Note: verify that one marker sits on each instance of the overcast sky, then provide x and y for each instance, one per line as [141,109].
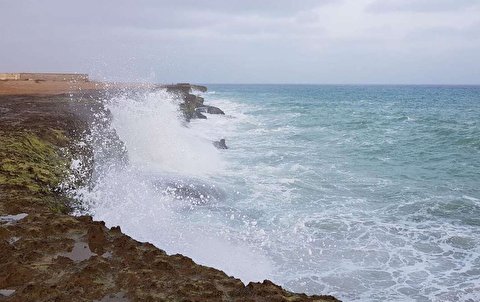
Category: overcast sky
[246,41]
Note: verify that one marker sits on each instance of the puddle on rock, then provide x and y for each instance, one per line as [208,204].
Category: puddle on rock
[11,219]
[12,240]
[6,292]
[107,255]
[80,252]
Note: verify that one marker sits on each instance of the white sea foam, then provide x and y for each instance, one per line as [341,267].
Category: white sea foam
[292,207]
[165,152]
[150,126]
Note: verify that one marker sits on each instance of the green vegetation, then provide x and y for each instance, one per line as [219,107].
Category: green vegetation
[33,166]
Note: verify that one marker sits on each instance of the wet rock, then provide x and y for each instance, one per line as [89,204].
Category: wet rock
[195,100]
[56,257]
[210,110]
[199,88]
[39,139]
[193,105]
[190,105]
[220,144]
[96,238]
[79,252]
[199,115]
[179,89]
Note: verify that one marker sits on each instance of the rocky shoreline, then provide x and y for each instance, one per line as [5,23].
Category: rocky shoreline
[48,255]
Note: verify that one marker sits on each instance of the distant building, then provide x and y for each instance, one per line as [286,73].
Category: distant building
[64,77]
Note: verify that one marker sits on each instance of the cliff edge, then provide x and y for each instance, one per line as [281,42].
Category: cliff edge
[48,255]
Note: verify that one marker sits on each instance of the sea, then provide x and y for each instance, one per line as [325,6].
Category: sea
[364,192]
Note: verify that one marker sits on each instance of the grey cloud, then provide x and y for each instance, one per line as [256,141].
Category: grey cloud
[421,5]
[447,36]
[147,13]
[263,7]
[237,41]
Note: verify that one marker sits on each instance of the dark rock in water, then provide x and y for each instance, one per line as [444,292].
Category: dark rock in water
[210,109]
[193,99]
[190,105]
[199,88]
[202,109]
[186,87]
[190,112]
[214,110]
[193,110]
[199,115]
[181,88]
[220,144]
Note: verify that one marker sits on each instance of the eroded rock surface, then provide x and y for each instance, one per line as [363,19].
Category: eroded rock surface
[46,264]
[193,106]
[48,255]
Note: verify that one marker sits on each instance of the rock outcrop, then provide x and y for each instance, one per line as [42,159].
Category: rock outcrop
[210,109]
[220,144]
[48,255]
[193,105]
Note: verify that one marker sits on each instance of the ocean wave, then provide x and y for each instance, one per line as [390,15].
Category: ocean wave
[330,195]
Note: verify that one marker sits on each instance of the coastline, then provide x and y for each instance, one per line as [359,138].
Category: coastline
[49,254]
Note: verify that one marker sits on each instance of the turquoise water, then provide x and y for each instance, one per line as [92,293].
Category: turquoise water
[368,193]
[364,192]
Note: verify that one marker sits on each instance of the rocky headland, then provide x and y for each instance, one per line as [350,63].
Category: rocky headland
[46,254]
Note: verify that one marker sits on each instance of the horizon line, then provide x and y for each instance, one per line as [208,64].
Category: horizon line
[344,84]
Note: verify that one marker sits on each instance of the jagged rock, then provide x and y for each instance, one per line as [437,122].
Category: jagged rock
[210,109]
[188,86]
[192,105]
[199,115]
[220,144]
[199,88]
[183,89]
[38,136]
[189,106]
[195,100]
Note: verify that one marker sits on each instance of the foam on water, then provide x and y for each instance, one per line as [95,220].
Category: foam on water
[338,215]
[161,195]
[353,191]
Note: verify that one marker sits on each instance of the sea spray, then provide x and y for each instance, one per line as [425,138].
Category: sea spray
[324,189]
[156,137]
[167,191]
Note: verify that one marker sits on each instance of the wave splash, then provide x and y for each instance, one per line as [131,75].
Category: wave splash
[166,191]
[156,138]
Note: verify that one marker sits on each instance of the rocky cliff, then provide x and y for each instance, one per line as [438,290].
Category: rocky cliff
[48,255]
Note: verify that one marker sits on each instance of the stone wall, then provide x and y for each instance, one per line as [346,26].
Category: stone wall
[9,76]
[79,77]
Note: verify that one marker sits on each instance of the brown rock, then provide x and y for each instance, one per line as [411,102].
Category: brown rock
[96,238]
[39,265]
